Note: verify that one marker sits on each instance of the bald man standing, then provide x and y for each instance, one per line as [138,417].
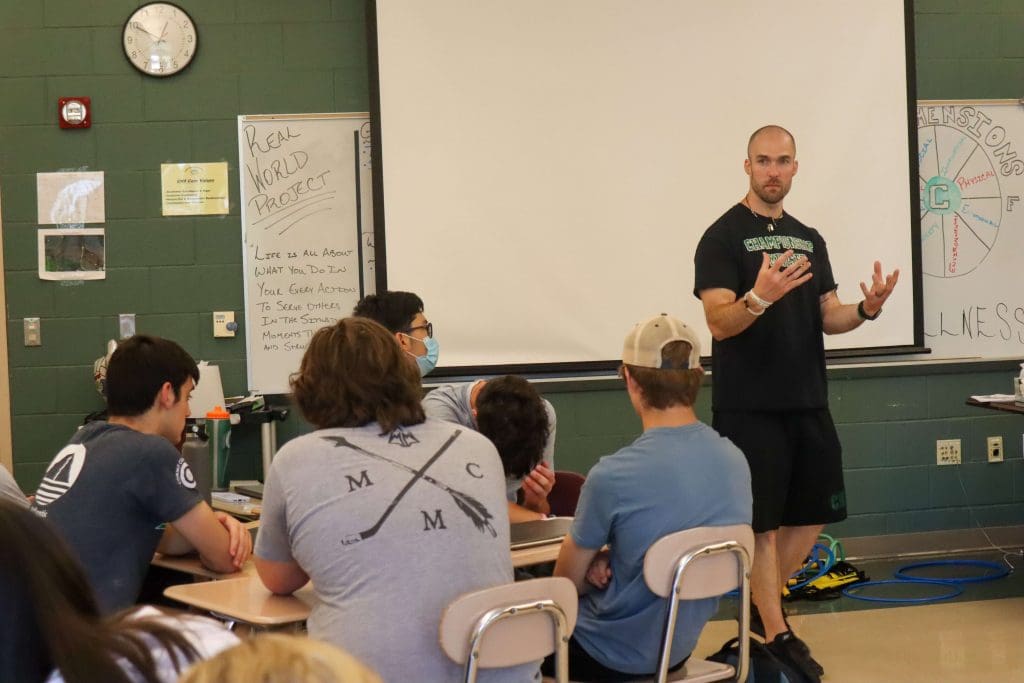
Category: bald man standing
[766,284]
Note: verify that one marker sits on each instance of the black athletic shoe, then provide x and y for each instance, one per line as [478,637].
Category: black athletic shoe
[757,625]
[795,652]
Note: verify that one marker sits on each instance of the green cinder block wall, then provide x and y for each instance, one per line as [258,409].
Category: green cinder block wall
[263,56]
[254,57]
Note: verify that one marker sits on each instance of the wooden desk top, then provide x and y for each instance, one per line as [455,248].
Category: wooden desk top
[190,564]
[246,599]
[526,557]
[1005,406]
[241,596]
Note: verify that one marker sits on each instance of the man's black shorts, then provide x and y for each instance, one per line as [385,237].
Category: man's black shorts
[796,466]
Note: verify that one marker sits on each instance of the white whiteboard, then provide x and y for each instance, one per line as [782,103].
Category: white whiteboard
[972,227]
[306,220]
[548,167]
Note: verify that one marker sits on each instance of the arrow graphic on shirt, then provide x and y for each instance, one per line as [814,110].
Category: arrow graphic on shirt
[469,505]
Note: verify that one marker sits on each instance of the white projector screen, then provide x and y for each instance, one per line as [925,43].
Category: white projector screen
[546,167]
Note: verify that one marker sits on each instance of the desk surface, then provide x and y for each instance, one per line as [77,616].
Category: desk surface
[190,564]
[246,599]
[1005,406]
[241,596]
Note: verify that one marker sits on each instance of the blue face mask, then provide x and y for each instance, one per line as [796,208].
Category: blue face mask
[427,362]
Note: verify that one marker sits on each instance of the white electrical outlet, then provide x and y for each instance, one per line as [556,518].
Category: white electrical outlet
[995,449]
[947,452]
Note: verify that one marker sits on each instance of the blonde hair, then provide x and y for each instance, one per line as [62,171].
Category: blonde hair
[274,658]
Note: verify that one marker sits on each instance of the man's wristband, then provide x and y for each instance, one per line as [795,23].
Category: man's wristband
[763,303]
[750,310]
[864,315]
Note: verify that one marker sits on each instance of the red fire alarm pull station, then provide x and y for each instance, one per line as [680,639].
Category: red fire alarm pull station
[74,112]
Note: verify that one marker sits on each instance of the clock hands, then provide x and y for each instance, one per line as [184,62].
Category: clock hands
[157,39]
[139,27]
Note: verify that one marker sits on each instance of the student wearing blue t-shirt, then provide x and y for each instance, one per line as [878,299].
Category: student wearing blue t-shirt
[679,474]
[120,490]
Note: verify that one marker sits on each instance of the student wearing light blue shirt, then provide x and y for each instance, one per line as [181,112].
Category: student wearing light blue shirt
[679,474]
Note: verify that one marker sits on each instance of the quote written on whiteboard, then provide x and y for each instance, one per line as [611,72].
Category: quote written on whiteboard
[972,227]
[304,273]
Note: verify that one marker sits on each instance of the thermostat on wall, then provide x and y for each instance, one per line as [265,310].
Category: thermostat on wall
[224,324]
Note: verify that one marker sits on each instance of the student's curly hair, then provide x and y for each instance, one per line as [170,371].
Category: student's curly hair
[354,373]
[511,413]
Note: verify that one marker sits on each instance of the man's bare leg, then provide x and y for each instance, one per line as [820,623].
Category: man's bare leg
[764,584]
[793,545]
[777,554]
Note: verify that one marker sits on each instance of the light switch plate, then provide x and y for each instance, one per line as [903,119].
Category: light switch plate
[33,335]
[224,324]
[126,325]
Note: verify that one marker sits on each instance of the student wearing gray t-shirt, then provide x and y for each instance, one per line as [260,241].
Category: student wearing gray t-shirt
[391,516]
[521,425]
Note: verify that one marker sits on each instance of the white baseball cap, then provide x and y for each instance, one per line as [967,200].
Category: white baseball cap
[644,343]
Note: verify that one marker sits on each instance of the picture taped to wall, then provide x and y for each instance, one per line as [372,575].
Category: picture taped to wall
[72,254]
[70,198]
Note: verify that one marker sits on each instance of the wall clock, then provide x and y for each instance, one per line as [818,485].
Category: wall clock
[160,39]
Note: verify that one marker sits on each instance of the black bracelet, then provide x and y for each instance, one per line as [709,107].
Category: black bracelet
[864,315]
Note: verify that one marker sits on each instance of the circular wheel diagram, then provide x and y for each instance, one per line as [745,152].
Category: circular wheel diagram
[961,203]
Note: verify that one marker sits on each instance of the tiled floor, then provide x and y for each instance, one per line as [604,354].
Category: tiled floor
[976,638]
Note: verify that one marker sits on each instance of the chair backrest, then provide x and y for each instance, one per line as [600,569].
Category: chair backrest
[514,623]
[565,493]
[707,576]
[701,563]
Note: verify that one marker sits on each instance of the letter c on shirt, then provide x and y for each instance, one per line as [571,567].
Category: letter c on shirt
[473,469]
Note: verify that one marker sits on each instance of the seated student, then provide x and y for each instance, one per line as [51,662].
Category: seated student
[52,629]
[521,424]
[9,489]
[277,658]
[391,515]
[402,314]
[677,475]
[120,490]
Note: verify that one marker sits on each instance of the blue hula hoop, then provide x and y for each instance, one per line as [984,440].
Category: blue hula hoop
[999,571]
[954,591]
[825,565]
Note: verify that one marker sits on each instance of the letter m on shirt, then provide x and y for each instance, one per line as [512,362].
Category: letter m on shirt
[363,480]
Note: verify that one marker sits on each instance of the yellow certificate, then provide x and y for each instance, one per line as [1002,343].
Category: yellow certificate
[194,189]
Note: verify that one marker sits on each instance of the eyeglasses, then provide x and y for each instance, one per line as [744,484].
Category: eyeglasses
[429,327]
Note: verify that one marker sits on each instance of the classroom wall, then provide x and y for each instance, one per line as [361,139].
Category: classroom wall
[254,57]
[263,56]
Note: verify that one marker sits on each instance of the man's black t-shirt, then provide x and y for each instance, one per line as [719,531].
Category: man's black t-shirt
[778,363]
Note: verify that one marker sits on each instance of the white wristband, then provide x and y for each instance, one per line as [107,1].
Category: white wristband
[751,311]
[763,303]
